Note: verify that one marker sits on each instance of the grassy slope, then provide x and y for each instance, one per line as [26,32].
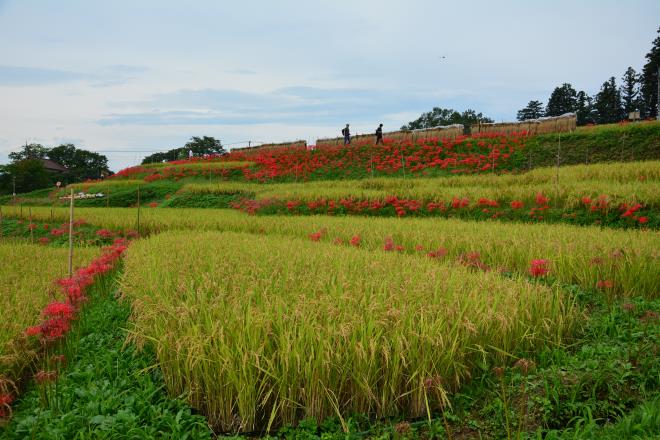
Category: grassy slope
[609,143]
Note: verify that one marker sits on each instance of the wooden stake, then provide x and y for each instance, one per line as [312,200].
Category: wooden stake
[71,235]
[138,210]
[30,225]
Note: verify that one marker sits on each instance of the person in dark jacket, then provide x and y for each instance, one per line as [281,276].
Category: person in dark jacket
[379,134]
[347,135]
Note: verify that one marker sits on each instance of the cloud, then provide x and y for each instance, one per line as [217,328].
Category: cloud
[27,76]
[290,105]
[41,76]
[241,72]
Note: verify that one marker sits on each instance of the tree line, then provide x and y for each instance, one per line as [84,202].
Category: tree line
[26,171]
[637,92]
[612,103]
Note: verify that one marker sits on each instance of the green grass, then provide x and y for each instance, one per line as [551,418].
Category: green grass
[608,143]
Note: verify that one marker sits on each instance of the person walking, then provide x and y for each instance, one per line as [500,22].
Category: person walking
[379,134]
[347,135]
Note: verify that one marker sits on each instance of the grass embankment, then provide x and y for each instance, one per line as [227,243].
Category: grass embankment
[596,144]
[103,388]
[577,255]
[240,324]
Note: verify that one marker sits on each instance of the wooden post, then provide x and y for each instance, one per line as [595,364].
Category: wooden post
[557,170]
[71,235]
[30,224]
[138,210]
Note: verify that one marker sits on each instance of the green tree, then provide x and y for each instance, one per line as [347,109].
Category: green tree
[630,90]
[29,151]
[198,146]
[608,103]
[649,81]
[204,145]
[82,164]
[562,100]
[446,116]
[28,174]
[584,109]
[534,110]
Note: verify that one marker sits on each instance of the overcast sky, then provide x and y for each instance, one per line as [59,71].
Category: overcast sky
[140,75]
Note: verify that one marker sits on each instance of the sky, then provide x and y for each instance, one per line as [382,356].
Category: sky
[126,78]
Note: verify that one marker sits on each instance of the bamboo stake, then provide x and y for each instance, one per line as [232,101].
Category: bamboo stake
[138,210]
[30,226]
[71,235]
[557,170]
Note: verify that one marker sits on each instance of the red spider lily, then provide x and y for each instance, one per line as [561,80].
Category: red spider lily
[487,202]
[355,241]
[459,203]
[315,236]
[105,233]
[439,253]
[586,201]
[5,404]
[399,248]
[58,359]
[541,200]
[58,310]
[46,226]
[419,248]
[389,244]
[539,268]
[605,284]
[32,226]
[43,377]
[33,331]
[43,241]
[153,204]
[643,219]
[517,204]
[473,260]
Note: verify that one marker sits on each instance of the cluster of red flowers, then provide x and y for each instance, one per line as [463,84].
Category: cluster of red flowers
[539,268]
[5,404]
[59,315]
[630,212]
[478,153]
[460,155]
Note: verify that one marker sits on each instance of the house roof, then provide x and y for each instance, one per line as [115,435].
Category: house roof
[51,165]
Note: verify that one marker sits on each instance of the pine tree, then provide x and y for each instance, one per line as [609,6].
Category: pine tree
[649,81]
[584,109]
[534,110]
[562,100]
[608,103]
[630,90]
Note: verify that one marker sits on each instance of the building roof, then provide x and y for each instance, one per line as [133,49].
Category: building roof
[51,165]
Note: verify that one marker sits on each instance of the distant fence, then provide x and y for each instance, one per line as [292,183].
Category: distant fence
[554,124]
[448,131]
[299,143]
